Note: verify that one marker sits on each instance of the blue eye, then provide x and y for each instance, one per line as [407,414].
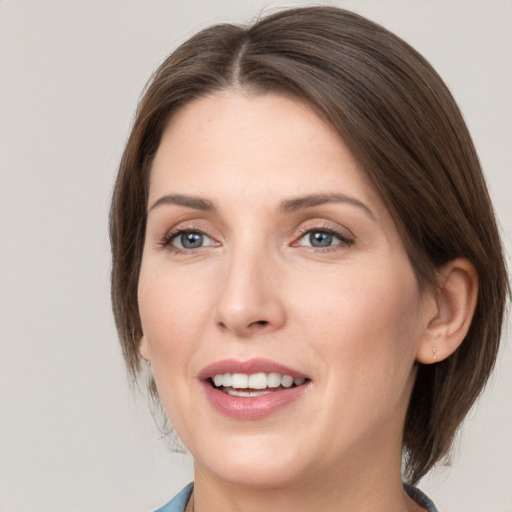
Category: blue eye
[320,239]
[190,240]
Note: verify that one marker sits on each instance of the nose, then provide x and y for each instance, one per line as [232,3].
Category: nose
[249,301]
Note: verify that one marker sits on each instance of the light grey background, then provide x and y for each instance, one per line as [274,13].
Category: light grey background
[73,437]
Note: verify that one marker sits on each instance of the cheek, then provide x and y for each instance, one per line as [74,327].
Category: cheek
[169,300]
[173,310]
[368,322]
[365,337]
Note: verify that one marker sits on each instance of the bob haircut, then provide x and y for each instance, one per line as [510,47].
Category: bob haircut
[403,126]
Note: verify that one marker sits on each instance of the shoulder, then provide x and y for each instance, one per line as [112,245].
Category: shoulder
[179,502]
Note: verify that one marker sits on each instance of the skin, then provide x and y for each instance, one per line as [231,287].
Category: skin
[349,316]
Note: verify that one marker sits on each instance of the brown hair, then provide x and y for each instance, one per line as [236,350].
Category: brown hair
[404,127]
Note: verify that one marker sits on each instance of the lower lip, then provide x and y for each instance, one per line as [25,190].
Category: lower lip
[254,407]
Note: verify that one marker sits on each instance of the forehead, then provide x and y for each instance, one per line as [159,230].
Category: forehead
[254,146]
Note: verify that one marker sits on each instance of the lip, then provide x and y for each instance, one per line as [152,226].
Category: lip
[250,408]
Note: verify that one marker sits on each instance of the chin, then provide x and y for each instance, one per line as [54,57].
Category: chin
[254,463]
[256,475]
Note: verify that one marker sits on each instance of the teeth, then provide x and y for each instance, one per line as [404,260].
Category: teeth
[273,380]
[240,380]
[254,381]
[286,381]
[237,392]
[258,381]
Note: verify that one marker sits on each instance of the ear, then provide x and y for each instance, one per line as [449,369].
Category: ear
[144,349]
[455,298]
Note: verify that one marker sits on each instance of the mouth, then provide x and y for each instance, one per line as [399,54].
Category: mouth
[253,389]
[254,384]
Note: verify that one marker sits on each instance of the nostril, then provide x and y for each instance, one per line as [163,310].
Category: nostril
[260,322]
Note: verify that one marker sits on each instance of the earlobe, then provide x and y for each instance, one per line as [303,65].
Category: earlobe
[144,349]
[455,298]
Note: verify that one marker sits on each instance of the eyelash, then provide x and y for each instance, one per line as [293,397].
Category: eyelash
[167,240]
[345,240]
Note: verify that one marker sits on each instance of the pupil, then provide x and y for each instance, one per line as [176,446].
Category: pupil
[320,239]
[191,240]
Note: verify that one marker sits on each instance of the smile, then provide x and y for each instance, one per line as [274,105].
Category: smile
[252,389]
[254,384]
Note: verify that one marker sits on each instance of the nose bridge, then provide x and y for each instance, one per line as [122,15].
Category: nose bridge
[248,300]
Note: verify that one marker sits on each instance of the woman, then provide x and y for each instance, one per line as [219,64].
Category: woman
[305,253]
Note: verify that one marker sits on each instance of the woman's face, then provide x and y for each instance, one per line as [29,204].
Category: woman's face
[269,259]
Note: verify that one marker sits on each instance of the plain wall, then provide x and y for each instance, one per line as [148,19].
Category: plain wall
[73,436]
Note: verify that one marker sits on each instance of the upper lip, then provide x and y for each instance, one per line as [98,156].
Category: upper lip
[248,366]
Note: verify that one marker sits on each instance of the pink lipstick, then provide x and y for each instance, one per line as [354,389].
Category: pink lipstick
[251,389]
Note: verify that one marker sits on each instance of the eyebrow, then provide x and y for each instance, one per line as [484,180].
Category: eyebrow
[196,203]
[300,203]
[287,206]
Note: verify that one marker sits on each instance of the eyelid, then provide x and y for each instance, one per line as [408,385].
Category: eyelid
[172,234]
[174,239]
[346,237]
